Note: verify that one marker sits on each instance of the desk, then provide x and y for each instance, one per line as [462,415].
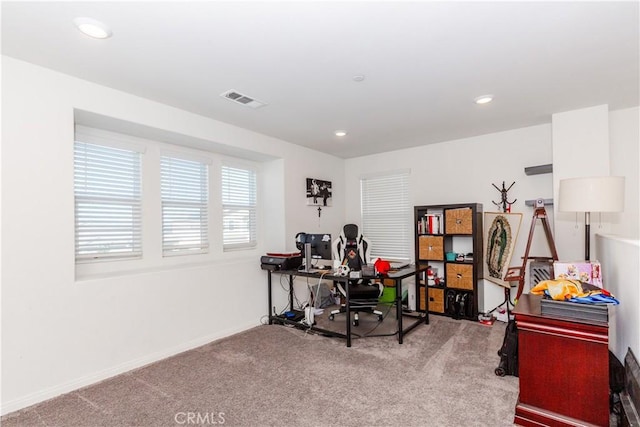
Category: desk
[563,367]
[397,277]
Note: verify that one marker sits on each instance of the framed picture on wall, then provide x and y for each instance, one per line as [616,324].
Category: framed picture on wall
[318,192]
[500,234]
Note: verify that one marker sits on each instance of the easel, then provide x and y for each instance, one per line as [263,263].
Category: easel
[517,274]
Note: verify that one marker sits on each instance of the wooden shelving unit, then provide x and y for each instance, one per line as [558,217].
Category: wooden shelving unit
[450,229]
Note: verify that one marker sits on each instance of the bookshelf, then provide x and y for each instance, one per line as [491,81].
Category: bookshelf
[449,240]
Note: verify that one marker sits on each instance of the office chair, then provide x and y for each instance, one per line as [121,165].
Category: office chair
[352,249]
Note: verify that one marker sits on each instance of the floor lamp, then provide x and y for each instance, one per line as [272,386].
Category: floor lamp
[593,194]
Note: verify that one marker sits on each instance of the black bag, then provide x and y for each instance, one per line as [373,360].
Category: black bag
[509,352]
[617,375]
[617,381]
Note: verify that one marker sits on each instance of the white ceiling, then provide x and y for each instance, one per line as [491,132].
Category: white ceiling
[423,62]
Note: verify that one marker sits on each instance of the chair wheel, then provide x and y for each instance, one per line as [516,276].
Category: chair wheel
[331,317]
[355,323]
[380,318]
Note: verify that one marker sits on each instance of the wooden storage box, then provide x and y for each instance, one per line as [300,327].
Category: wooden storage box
[459,276]
[436,299]
[431,247]
[458,221]
[388,282]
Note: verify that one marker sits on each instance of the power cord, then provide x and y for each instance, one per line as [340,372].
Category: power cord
[296,301]
[264,320]
[384,316]
[311,306]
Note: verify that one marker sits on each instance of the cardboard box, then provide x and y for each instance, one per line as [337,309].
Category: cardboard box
[585,271]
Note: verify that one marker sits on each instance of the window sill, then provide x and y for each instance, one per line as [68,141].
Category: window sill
[224,262]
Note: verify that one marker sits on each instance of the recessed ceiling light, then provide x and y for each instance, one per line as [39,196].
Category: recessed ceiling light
[358,77]
[93,28]
[484,99]
[341,133]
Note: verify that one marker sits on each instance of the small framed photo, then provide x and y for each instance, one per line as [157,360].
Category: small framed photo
[318,192]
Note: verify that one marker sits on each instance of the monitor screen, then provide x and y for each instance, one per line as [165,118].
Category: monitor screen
[320,245]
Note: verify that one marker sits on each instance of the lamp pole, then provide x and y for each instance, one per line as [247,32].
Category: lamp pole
[587,234]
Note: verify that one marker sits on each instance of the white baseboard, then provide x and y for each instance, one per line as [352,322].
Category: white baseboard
[75,384]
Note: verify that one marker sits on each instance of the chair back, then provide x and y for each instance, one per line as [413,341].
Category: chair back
[351,248]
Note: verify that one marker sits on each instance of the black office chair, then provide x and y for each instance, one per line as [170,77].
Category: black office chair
[352,249]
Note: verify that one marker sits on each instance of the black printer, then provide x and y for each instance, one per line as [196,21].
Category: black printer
[273,261]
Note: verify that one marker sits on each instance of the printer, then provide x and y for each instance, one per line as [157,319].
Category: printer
[275,261]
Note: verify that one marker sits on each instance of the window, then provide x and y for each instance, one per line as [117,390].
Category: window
[386,215]
[185,196]
[238,207]
[186,190]
[107,202]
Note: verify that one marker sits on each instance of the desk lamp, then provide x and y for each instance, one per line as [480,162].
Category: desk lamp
[592,194]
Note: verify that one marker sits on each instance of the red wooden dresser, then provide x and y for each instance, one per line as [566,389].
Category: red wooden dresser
[563,368]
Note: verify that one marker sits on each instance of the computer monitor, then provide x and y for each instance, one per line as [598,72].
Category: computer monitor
[320,245]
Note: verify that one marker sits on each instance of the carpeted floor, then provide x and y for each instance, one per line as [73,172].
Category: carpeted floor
[443,375]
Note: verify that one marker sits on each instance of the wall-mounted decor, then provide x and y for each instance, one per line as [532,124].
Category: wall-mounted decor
[500,234]
[318,192]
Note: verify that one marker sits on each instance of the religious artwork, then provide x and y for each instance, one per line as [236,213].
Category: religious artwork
[318,192]
[500,234]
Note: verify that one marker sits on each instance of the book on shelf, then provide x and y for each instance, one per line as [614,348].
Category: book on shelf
[433,223]
[430,223]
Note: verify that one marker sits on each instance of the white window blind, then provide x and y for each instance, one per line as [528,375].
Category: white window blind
[185,197]
[238,207]
[386,215]
[107,202]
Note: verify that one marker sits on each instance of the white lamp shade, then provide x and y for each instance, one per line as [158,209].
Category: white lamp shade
[593,194]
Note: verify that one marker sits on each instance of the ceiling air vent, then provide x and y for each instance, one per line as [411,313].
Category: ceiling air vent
[242,99]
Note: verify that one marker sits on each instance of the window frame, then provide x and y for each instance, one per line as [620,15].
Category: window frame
[252,241]
[185,204]
[112,152]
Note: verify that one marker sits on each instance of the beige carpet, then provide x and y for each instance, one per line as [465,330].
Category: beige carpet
[443,375]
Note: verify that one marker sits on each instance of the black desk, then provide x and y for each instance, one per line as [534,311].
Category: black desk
[397,277]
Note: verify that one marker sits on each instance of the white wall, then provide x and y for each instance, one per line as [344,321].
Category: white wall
[593,142]
[624,142]
[58,333]
[462,171]
[621,275]
[619,252]
[580,149]
[596,142]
